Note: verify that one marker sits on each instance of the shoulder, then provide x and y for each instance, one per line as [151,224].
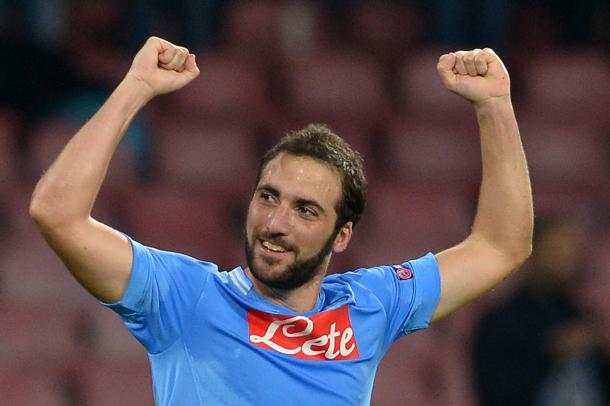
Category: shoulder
[367,286]
[424,267]
[158,258]
[153,266]
[412,282]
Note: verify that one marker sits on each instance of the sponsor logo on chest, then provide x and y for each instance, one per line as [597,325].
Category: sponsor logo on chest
[325,336]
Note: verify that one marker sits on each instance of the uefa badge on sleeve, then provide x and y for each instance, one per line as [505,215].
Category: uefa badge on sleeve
[403,273]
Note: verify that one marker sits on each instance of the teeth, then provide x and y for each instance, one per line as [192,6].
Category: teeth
[273,247]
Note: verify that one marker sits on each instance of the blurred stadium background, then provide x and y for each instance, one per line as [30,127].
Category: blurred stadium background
[181,178]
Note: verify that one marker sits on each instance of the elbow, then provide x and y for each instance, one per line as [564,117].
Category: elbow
[512,252]
[527,245]
[47,218]
[524,254]
[520,254]
[54,207]
[47,209]
[36,208]
[39,210]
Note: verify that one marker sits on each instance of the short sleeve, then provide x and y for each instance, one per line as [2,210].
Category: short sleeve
[409,293]
[163,290]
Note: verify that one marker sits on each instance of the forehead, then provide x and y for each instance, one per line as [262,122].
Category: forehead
[303,177]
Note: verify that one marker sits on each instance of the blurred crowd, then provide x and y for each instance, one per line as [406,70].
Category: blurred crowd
[182,175]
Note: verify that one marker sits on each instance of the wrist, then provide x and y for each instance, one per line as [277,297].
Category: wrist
[137,90]
[493,105]
[497,111]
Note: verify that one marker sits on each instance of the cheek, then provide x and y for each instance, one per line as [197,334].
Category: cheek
[251,220]
[312,240]
[256,220]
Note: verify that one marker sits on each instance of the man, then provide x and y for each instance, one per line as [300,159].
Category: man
[278,331]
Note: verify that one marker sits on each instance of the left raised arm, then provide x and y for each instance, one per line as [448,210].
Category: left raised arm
[501,237]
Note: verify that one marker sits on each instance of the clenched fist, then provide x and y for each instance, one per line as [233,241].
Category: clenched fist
[162,67]
[478,75]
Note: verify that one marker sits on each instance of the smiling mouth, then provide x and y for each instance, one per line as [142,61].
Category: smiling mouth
[272,247]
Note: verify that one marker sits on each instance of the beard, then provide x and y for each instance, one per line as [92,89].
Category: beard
[295,275]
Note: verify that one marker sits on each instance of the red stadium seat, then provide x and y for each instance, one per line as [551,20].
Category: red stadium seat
[206,158]
[27,386]
[50,137]
[591,294]
[446,156]
[111,382]
[426,368]
[568,87]
[570,200]
[561,157]
[111,339]
[205,226]
[270,31]
[37,335]
[387,30]
[332,85]
[422,94]
[31,272]
[403,222]
[229,90]
[253,28]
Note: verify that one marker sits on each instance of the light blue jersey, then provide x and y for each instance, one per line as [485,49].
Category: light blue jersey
[212,340]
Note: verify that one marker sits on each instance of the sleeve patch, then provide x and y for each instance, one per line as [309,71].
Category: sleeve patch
[403,273]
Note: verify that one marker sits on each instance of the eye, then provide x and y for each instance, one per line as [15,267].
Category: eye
[307,211]
[266,196]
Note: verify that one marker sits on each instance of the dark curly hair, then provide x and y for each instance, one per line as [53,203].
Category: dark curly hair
[317,141]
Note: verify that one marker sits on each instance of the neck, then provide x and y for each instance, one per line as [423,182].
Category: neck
[300,300]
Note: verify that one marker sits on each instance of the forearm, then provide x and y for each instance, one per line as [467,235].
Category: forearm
[504,215]
[67,191]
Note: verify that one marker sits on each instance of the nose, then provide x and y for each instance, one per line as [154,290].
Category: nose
[279,220]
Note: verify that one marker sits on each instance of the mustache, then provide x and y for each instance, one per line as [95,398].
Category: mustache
[276,239]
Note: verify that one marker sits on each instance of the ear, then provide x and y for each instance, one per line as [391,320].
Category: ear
[343,237]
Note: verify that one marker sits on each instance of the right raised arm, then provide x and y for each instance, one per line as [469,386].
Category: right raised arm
[99,257]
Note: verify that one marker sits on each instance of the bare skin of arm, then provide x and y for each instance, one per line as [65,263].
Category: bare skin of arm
[99,257]
[501,236]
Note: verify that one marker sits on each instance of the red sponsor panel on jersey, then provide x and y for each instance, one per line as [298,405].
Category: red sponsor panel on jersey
[326,336]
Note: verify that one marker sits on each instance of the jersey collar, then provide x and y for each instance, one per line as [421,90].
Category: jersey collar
[331,295]
[240,281]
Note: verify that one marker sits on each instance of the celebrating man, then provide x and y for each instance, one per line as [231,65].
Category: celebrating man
[280,330]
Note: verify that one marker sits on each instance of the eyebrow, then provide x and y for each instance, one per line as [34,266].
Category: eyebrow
[300,201]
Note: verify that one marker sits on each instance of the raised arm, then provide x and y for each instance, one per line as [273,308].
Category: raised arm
[501,236]
[99,257]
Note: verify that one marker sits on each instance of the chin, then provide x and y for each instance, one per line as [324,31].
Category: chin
[286,273]
[267,273]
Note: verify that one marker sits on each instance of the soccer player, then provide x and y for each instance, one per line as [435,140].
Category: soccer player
[279,331]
